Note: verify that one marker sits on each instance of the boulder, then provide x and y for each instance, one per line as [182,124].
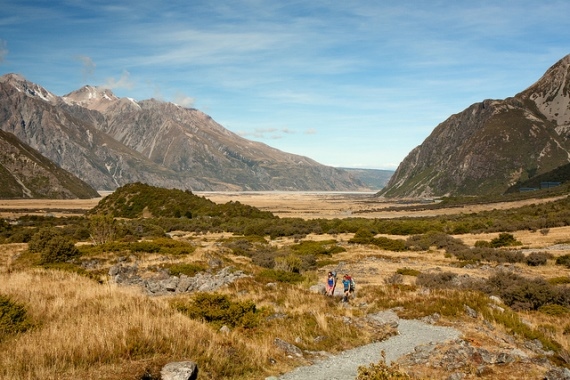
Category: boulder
[186,370]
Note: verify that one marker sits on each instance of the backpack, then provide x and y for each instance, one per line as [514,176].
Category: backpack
[352,285]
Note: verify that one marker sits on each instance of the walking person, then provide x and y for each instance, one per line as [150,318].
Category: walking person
[348,285]
[331,284]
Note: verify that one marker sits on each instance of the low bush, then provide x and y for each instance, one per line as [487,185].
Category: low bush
[408,271]
[537,258]
[478,254]
[504,240]
[521,293]
[188,269]
[324,247]
[272,275]
[219,310]
[53,246]
[13,318]
[559,280]
[563,260]
[555,310]
[435,280]
[381,371]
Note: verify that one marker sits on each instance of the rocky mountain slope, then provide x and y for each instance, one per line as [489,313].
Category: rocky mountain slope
[25,173]
[109,141]
[492,145]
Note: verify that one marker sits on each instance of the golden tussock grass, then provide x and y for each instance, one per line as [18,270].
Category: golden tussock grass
[81,326]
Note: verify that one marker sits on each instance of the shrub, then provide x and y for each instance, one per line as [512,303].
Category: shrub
[52,246]
[289,263]
[188,269]
[408,272]
[381,371]
[559,280]
[435,280]
[555,310]
[271,275]
[13,318]
[324,247]
[58,250]
[537,258]
[504,240]
[438,240]
[563,260]
[521,293]
[219,310]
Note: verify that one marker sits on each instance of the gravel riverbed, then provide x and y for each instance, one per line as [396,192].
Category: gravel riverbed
[412,333]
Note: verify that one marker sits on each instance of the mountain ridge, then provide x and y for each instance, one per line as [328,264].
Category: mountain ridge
[109,141]
[492,145]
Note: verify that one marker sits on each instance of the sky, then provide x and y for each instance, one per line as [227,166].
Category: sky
[352,83]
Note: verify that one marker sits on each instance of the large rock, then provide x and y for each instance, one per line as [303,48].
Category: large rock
[186,370]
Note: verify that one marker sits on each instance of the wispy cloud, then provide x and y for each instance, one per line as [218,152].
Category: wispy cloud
[183,100]
[266,133]
[88,66]
[124,82]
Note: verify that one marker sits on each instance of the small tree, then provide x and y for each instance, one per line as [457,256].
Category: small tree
[102,228]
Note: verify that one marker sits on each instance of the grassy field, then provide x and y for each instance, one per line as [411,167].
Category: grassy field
[88,327]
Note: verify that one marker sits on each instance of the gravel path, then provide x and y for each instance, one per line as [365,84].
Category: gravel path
[412,333]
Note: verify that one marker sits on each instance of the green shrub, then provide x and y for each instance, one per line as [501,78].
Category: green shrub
[58,250]
[52,246]
[563,260]
[188,269]
[272,275]
[504,240]
[435,239]
[219,310]
[555,310]
[13,318]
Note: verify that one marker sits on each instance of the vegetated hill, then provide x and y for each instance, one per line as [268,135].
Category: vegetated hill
[25,173]
[560,174]
[374,179]
[109,141]
[137,200]
[492,145]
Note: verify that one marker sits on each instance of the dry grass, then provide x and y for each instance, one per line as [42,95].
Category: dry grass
[85,330]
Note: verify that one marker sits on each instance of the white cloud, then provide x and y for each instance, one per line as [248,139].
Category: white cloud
[123,82]
[183,100]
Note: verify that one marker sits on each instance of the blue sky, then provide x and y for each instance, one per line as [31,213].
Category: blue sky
[351,84]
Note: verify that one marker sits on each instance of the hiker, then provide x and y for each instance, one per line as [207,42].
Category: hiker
[331,284]
[348,284]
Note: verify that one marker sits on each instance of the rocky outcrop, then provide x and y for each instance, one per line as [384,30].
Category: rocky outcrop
[123,274]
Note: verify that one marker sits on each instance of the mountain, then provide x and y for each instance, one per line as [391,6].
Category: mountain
[25,173]
[492,145]
[109,141]
[374,179]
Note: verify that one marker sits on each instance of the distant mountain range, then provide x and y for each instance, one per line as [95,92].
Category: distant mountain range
[108,141]
[493,145]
